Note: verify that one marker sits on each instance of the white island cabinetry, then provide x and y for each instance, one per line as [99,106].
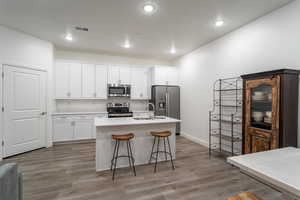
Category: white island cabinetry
[141,143]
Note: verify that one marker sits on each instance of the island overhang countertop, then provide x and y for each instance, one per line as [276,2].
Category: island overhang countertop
[101,122]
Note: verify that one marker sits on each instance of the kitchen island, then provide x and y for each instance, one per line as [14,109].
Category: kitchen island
[141,143]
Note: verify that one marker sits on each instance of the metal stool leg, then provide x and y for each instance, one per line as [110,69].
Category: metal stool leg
[165,148]
[156,155]
[113,158]
[116,158]
[170,153]
[150,159]
[128,153]
[132,160]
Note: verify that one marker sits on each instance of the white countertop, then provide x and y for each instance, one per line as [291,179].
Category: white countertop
[131,121]
[278,167]
[77,113]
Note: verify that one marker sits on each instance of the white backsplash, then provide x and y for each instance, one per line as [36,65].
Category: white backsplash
[96,105]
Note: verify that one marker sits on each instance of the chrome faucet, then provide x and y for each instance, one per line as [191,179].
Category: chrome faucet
[148,108]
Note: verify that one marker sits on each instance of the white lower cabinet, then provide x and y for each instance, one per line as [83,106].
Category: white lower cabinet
[74,128]
[83,129]
[62,129]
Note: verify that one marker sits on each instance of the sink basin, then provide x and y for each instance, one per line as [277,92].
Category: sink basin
[143,118]
[159,117]
[149,118]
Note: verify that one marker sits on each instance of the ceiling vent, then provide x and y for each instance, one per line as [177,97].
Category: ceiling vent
[79,28]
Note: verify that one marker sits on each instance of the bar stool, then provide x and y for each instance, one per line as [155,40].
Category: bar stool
[122,138]
[161,135]
[244,196]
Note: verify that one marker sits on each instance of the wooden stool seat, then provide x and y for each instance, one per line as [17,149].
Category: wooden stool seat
[161,134]
[128,136]
[244,196]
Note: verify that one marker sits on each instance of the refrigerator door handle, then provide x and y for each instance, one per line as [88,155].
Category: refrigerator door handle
[167,104]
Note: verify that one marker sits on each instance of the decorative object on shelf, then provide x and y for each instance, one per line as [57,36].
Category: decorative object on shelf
[270,117]
[225,119]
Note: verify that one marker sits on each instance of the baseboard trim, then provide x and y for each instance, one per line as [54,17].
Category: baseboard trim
[194,139]
[75,142]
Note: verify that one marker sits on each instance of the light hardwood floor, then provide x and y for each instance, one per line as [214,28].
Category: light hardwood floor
[67,172]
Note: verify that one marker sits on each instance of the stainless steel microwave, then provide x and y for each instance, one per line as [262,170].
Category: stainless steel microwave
[118,90]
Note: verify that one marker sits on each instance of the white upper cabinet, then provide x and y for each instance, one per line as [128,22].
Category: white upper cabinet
[119,75]
[101,81]
[88,80]
[75,80]
[62,80]
[140,86]
[160,75]
[68,80]
[114,75]
[164,75]
[80,81]
[173,76]
[125,75]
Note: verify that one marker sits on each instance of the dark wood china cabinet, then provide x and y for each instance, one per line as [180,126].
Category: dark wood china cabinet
[270,110]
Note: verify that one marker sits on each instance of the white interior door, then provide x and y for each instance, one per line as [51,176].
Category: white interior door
[24,110]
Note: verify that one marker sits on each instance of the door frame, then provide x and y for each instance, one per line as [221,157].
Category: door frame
[48,124]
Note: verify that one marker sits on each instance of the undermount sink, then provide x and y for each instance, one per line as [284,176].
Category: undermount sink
[149,118]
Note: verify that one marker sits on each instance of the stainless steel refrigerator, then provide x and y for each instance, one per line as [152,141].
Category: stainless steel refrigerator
[167,102]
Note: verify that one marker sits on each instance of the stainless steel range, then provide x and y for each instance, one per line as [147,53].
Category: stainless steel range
[118,110]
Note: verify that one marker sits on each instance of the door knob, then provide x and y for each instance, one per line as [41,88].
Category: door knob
[43,113]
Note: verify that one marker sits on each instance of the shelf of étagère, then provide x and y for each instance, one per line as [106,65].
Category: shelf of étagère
[228,138]
[230,106]
[226,121]
[217,130]
[225,153]
[231,89]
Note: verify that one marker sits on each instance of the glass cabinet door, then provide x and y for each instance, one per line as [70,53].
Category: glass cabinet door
[261,107]
[261,114]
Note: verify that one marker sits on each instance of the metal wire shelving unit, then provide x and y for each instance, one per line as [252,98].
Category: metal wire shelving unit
[225,119]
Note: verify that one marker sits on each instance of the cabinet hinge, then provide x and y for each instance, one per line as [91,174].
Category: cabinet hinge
[2,109]
[2,75]
[2,143]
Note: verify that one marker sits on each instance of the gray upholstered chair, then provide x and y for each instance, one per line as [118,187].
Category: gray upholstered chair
[11,187]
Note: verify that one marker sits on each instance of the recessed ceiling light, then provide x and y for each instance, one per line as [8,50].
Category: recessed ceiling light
[173,50]
[127,45]
[150,8]
[219,23]
[69,37]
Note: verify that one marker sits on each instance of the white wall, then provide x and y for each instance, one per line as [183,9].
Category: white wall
[271,42]
[105,58]
[19,49]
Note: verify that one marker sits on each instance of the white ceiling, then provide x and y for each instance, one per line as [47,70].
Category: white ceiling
[186,24]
